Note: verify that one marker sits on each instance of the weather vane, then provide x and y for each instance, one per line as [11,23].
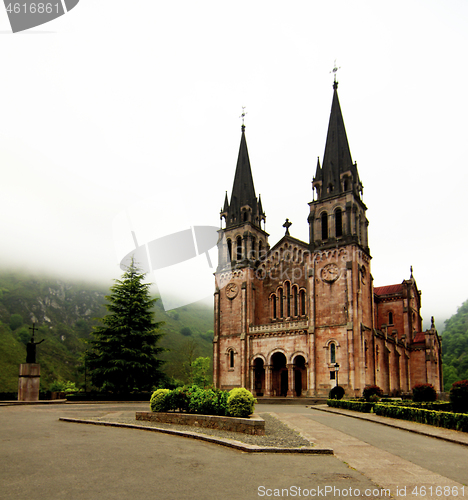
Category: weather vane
[334,71]
[243,117]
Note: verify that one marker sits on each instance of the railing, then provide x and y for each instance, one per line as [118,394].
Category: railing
[276,327]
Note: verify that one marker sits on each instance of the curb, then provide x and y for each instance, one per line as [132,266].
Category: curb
[393,424]
[237,445]
[38,402]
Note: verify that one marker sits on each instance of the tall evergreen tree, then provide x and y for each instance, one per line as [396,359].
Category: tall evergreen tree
[124,353]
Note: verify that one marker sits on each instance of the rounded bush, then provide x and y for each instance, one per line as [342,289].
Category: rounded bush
[158,401]
[459,396]
[240,403]
[337,392]
[424,392]
[370,391]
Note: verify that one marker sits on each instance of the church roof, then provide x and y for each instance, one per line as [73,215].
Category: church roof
[420,337]
[388,289]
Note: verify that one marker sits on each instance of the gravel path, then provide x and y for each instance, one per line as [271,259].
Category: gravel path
[277,434]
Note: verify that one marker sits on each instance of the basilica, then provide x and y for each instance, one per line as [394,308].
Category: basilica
[297,318]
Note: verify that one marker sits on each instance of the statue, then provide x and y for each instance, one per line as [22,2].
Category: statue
[31,348]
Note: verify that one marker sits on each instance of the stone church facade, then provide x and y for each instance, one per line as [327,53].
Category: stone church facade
[292,318]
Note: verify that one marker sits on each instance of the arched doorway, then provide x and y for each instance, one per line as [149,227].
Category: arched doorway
[279,375]
[300,375]
[259,377]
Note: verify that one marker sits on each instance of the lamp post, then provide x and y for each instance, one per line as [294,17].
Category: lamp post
[337,369]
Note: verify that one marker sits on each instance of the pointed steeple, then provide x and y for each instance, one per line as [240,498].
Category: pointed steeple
[244,206]
[338,173]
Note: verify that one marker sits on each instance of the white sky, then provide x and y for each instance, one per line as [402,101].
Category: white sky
[117,102]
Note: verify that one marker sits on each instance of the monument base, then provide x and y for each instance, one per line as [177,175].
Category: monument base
[29,381]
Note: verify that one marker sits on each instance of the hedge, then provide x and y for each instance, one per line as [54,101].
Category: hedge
[362,406]
[238,402]
[448,420]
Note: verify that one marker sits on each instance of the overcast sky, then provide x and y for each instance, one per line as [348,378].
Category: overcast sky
[118,102]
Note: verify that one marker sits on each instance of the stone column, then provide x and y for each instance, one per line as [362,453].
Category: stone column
[29,381]
[268,374]
[290,392]
[252,379]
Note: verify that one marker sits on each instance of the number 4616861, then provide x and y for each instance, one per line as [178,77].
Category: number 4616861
[33,8]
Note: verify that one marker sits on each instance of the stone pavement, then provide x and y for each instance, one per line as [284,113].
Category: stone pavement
[387,469]
[43,458]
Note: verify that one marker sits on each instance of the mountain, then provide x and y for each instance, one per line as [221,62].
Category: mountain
[64,314]
[455,347]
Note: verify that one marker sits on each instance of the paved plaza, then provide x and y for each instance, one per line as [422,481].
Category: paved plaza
[46,459]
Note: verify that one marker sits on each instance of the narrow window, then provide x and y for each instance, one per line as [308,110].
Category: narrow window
[288,300]
[303,302]
[332,353]
[281,302]
[252,252]
[295,301]
[338,223]
[390,318]
[245,216]
[324,226]
[273,299]
[231,358]
[229,247]
[239,249]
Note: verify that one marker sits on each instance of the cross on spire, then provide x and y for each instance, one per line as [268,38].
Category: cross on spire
[334,71]
[243,118]
[287,225]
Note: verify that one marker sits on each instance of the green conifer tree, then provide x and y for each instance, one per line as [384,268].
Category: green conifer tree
[123,354]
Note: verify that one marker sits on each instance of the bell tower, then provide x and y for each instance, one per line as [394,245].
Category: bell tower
[338,215]
[244,245]
[340,282]
[246,241]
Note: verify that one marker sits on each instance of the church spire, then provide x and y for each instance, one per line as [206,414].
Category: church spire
[243,206]
[338,173]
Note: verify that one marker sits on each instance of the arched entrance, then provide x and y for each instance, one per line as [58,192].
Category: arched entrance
[279,375]
[300,375]
[259,377]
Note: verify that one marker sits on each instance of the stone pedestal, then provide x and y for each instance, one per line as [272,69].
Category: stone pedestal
[28,383]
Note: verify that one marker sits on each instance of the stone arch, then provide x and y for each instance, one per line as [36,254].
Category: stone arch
[258,373]
[299,362]
[279,373]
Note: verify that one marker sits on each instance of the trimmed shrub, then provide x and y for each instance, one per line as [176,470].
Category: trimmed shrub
[424,392]
[336,393]
[202,401]
[240,402]
[158,401]
[459,396]
[178,399]
[448,420]
[362,406]
[221,402]
[372,390]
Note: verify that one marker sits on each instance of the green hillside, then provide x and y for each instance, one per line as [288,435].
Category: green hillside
[64,314]
[455,347]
